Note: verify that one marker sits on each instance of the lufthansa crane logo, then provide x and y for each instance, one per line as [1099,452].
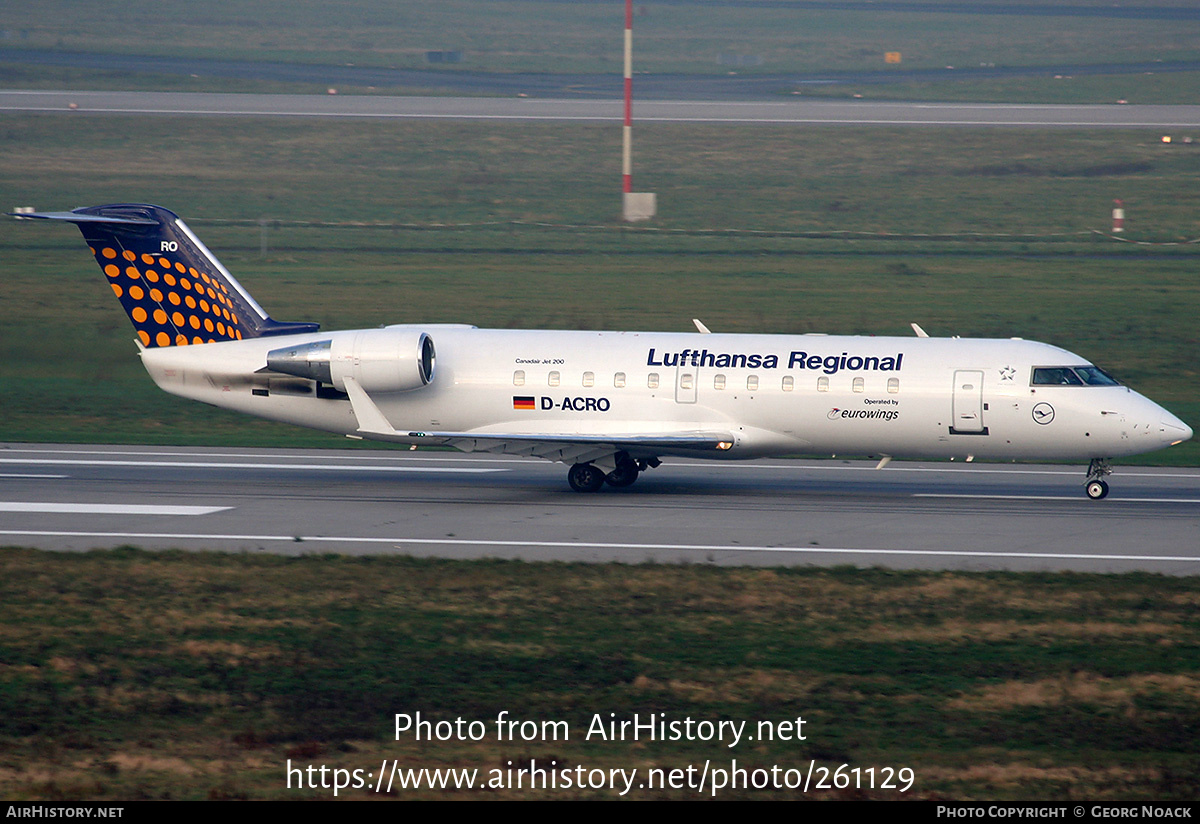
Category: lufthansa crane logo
[1043,413]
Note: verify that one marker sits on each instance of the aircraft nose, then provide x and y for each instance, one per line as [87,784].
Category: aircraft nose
[1175,430]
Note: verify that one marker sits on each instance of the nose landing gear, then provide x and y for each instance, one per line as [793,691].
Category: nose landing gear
[1096,487]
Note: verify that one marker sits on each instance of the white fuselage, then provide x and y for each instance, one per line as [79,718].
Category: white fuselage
[774,394]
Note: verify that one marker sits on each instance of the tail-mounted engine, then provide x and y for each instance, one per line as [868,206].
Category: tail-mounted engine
[379,360]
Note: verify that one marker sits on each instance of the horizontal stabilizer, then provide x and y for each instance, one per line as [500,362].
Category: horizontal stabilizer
[76,217]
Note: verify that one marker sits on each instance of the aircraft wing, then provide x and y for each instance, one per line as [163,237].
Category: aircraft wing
[579,448]
[554,446]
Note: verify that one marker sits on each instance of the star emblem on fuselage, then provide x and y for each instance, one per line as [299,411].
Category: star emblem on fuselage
[1007,373]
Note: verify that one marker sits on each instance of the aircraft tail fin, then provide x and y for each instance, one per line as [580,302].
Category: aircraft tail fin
[173,289]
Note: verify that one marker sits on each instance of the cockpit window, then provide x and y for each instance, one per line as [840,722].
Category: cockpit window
[1095,376]
[1072,376]
[1056,376]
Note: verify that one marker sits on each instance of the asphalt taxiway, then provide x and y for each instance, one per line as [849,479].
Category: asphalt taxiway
[764,513]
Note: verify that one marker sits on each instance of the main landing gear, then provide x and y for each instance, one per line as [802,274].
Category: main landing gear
[1096,486]
[587,477]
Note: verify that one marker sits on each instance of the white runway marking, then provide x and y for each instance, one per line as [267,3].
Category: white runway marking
[406,542]
[29,475]
[1054,498]
[227,465]
[444,457]
[108,509]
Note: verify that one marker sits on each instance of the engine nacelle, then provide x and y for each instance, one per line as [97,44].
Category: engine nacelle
[379,360]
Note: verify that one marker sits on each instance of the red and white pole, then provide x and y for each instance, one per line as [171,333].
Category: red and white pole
[627,151]
[1118,216]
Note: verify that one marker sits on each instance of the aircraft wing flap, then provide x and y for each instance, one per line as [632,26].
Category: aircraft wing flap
[567,448]
[666,440]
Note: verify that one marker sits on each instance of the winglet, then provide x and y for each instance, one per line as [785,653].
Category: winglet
[701,327]
[921,333]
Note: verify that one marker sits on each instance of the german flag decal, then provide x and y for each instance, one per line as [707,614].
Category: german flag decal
[523,402]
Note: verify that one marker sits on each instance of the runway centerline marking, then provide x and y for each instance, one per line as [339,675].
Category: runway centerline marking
[400,542]
[108,509]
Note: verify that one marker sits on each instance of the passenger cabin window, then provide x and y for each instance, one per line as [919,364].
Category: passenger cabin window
[589,378]
[652,380]
[619,380]
[718,381]
[519,377]
[860,385]
[685,381]
[893,385]
[752,382]
[554,379]
[789,383]
[822,384]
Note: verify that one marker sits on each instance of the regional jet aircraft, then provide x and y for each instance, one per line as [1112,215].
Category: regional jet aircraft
[610,405]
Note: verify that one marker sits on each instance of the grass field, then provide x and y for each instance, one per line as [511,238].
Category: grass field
[520,35]
[970,232]
[566,37]
[183,675]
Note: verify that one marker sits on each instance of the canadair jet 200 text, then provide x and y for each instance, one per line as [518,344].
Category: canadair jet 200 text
[609,404]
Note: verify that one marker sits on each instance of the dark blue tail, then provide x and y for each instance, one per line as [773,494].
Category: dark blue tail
[172,287]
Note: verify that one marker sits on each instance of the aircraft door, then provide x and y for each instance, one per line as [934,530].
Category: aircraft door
[968,403]
[686,380]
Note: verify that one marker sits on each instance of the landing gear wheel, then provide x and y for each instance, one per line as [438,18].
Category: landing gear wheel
[624,475]
[585,477]
[1096,486]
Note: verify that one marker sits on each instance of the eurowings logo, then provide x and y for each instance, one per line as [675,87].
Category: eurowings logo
[867,414]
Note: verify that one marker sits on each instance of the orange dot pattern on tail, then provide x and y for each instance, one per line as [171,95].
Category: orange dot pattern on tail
[181,302]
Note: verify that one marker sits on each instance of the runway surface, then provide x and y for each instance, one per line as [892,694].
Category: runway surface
[764,513]
[725,85]
[785,112]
